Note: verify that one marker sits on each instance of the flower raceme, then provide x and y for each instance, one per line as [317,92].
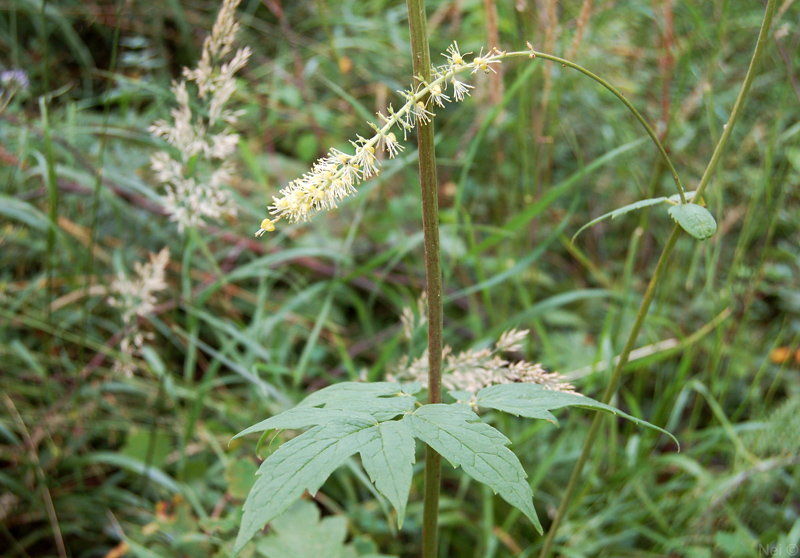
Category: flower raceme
[336,175]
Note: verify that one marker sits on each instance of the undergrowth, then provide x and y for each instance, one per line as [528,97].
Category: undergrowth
[115,422]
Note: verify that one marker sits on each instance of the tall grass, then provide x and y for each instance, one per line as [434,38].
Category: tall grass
[140,465]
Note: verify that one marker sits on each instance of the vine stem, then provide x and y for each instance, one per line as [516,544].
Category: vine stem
[418,26]
[563,508]
[534,54]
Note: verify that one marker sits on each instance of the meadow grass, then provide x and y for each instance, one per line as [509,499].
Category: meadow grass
[94,461]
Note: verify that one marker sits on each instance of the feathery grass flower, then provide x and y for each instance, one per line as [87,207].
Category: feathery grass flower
[136,298]
[196,181]
[474,370]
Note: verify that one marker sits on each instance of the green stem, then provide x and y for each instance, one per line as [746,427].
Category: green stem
[763,37]
[98,179]
[534,54]
[417,23]
[651,287]
[610,389]
[51,180]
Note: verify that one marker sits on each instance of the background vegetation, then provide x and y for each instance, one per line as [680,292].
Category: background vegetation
[99,463]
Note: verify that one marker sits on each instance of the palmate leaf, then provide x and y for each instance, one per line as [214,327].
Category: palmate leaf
[457,434]
[357,418]
[387,453]
[349,422]
[303,463]
[383,400]
[534,401]
[302,417]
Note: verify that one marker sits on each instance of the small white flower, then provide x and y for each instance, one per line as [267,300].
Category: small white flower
[438,96]
[460,89]
[366,161]
[484,64]
[421,114]
[454,58]
[391,145]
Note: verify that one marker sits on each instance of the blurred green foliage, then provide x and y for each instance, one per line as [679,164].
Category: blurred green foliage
[108,465]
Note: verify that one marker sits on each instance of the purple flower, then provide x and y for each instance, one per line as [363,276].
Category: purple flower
[14,79]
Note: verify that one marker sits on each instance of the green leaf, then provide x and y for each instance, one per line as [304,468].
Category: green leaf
[620,211]
[25,213]
[387,453]
[694,219]
[240,476]
[141,551]
[302,417]
[457,434]
[676,198]
[460,395]
[307,147]
[382,400]
[534,401]
[299,533]
[140,445]
[303,463]
[347,422]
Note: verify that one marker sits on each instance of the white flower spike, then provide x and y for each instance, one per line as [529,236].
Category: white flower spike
[335,176]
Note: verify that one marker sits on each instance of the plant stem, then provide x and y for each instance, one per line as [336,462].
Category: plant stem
[651,287]
[421,56]
[625,101]
[98,180]
[51,181]
[763,37]
[610,389]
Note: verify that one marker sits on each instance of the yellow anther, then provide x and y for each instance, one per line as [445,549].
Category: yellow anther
[266,226]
